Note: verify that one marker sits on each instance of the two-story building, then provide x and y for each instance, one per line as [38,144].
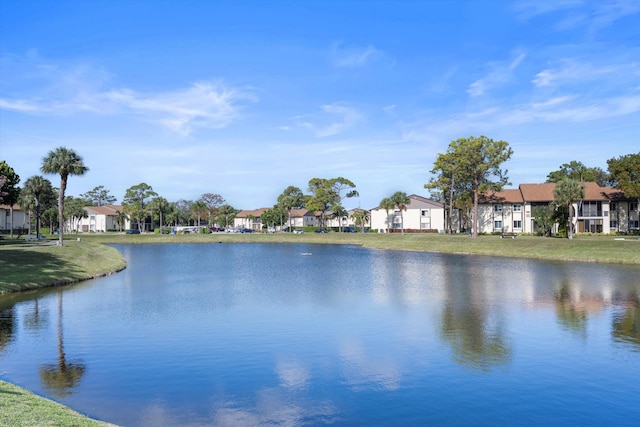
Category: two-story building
[421,215]
[602,210]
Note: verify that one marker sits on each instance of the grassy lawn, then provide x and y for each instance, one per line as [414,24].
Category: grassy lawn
[21,408]
[25,266]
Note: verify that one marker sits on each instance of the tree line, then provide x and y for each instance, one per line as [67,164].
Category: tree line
[470,167]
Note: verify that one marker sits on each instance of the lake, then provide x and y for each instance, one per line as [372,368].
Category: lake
[301,334]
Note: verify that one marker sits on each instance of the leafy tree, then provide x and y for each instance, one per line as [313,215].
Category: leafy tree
[291,198]
[567,191]
[578,171]
[228,213]
[74,211]
[449,185]
[213,202]
[64,162]
[361,217]
[543,217]
[9,190]
[121,219]
[339,212]
[159,205]
[273,216]
[625,173]
[341,184]
[135,202]
[183,211]
[388,205]
[400,200]
[323,196]
[99,196]
[477,169]
[199,209]
[37,194]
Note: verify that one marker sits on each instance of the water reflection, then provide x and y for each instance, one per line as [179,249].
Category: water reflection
[626,327]
[65,375]
[7,326]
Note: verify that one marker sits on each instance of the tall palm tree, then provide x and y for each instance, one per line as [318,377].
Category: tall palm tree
[388,205]
[567,191]
[400,201]
[65,162]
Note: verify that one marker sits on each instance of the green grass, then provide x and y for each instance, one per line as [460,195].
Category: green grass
[21,408]
[31,266]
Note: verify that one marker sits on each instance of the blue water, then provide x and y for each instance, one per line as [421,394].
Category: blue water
[268,334]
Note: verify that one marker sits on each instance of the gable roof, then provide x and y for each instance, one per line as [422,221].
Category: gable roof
[538,192]
[255,212]
[104,210]
[505,196]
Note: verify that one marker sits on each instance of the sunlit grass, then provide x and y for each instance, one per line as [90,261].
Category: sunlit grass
[21,408]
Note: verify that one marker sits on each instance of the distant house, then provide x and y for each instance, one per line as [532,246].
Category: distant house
[303,218]
[249,219]
[20,219]
[103,218]
[603,209]
[422,215]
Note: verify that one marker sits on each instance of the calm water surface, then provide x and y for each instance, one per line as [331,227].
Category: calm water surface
[257,334]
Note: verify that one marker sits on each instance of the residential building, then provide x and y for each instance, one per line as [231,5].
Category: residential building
[602,210]
[249,219]
[103,218]
[422,215]
[18,220]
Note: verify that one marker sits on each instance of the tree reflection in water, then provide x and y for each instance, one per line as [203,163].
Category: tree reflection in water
[476,336]
[63,376]
[626,327]
[572,314]
[6,326]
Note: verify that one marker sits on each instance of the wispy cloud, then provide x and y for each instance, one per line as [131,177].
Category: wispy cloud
[573,14]
[500,73]
[341,117]
[60,90]
[574,71]
[202,105]
[354,57]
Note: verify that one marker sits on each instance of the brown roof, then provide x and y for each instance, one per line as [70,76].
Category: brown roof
[538,192]
[255,212]
[104,209]
[505,196]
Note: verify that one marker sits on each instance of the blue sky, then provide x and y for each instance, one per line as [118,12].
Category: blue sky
[244,98]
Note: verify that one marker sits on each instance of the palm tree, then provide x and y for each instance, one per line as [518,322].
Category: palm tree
[566,192]
[65,162]
[401,200]
[388,205]
[361,218]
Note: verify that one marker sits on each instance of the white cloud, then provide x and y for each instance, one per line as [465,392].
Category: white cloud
[347,117]
[62,89]
[501,73]
[201,105]
[355,57]
[574,71]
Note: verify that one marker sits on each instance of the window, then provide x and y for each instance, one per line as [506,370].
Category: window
[590,209]
[497,225]
[497,208]
[92,217]
[613,206]
[633,206]
[517,208]
[425,212]
[517,224]
[633,224]
[613,223]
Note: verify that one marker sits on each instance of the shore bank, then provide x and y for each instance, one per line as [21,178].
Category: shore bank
[21,408]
